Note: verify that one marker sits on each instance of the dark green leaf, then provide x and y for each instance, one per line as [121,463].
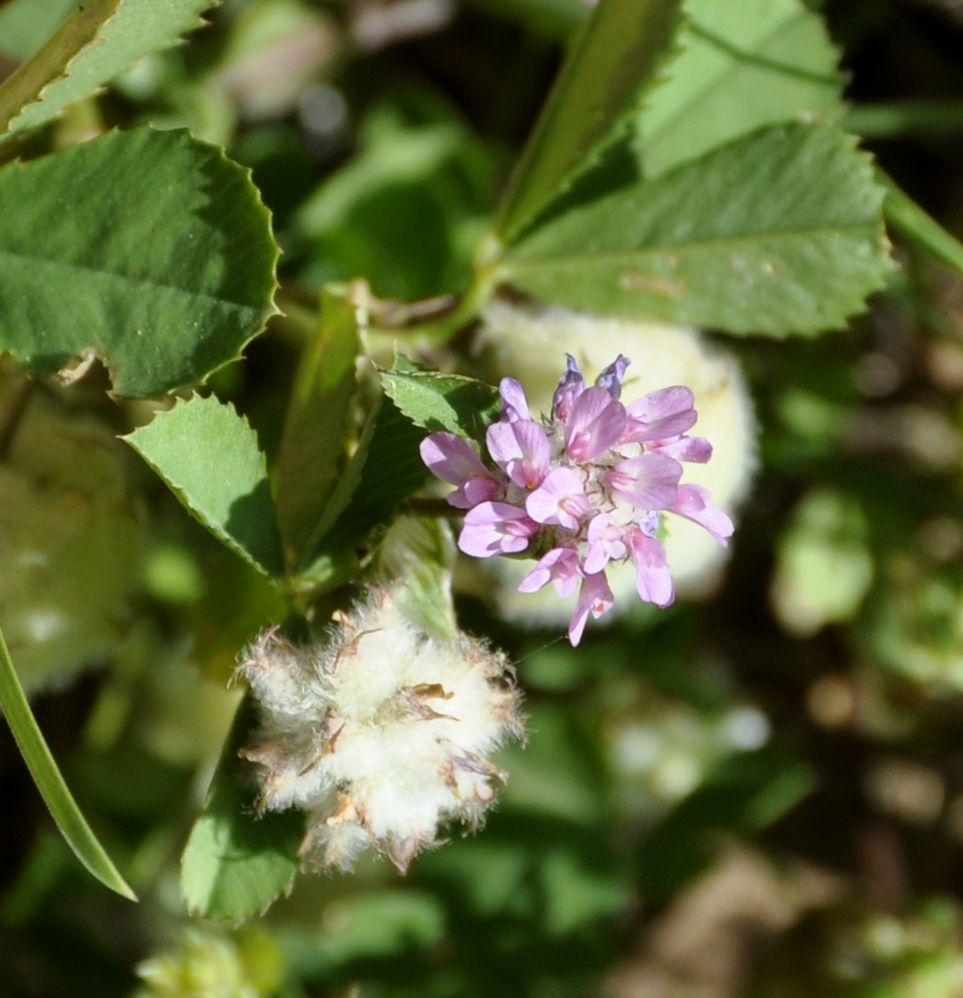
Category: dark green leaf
[158,242]
[313,445]
[46,775]
[778,232]
[210,458]
[443,401]
[385,470]
[236,864]
[615,57]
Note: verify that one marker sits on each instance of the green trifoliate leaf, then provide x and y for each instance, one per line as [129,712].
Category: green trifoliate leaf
[778,232]
[740,66]
[313,445]
[236,864]
[443,401]
[99,40]
[46,774]
[613,60]
[160,245]
[210,458]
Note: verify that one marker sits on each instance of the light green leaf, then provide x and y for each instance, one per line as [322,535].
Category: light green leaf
[313,444]
[98,41]
[740,66]
[421,551]
[43,768]
[210,458]
[778,232]
[236,864]
[615,57]
[159,244]
[25,24]
[443,401]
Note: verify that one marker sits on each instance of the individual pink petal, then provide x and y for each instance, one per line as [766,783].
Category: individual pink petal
[650,481]
[596,422]
[594,597]
[660,415]
[514,402]
[495,528]
[560,499]
[652,578]
[611,378]
[604,544]
[695,449]
[693,503]
[451,459]
[521,450]
[559,566]
[570,386]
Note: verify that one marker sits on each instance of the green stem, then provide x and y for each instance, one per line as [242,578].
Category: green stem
[907,218]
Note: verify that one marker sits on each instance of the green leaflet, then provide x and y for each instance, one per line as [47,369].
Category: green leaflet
[313,445]
[384,470]
[99,40]
[210,458]
[43,768]
[235,864]
[612,61]
[160,244]
[443,401]
[778,232]
[421,551]
[740,66]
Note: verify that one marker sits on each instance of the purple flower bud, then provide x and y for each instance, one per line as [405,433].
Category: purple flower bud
[451,459]
[521,450]
[648,482]
[570,386]
[660,415]
[495,528]
[653,581]
[514,403]
[560,499]
[594,597]
[560,567]
[693,503]
[611,378]
[604,543]
[596,422]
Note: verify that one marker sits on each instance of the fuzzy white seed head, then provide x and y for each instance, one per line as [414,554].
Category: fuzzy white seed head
[526,342]
[381,733]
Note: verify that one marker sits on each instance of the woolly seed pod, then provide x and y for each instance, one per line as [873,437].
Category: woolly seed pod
[381,733]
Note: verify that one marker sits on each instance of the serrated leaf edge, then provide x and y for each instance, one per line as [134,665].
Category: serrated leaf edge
[179,489]
[97,39]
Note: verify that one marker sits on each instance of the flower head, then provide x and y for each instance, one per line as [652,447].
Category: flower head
[381,733]
[584,489]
